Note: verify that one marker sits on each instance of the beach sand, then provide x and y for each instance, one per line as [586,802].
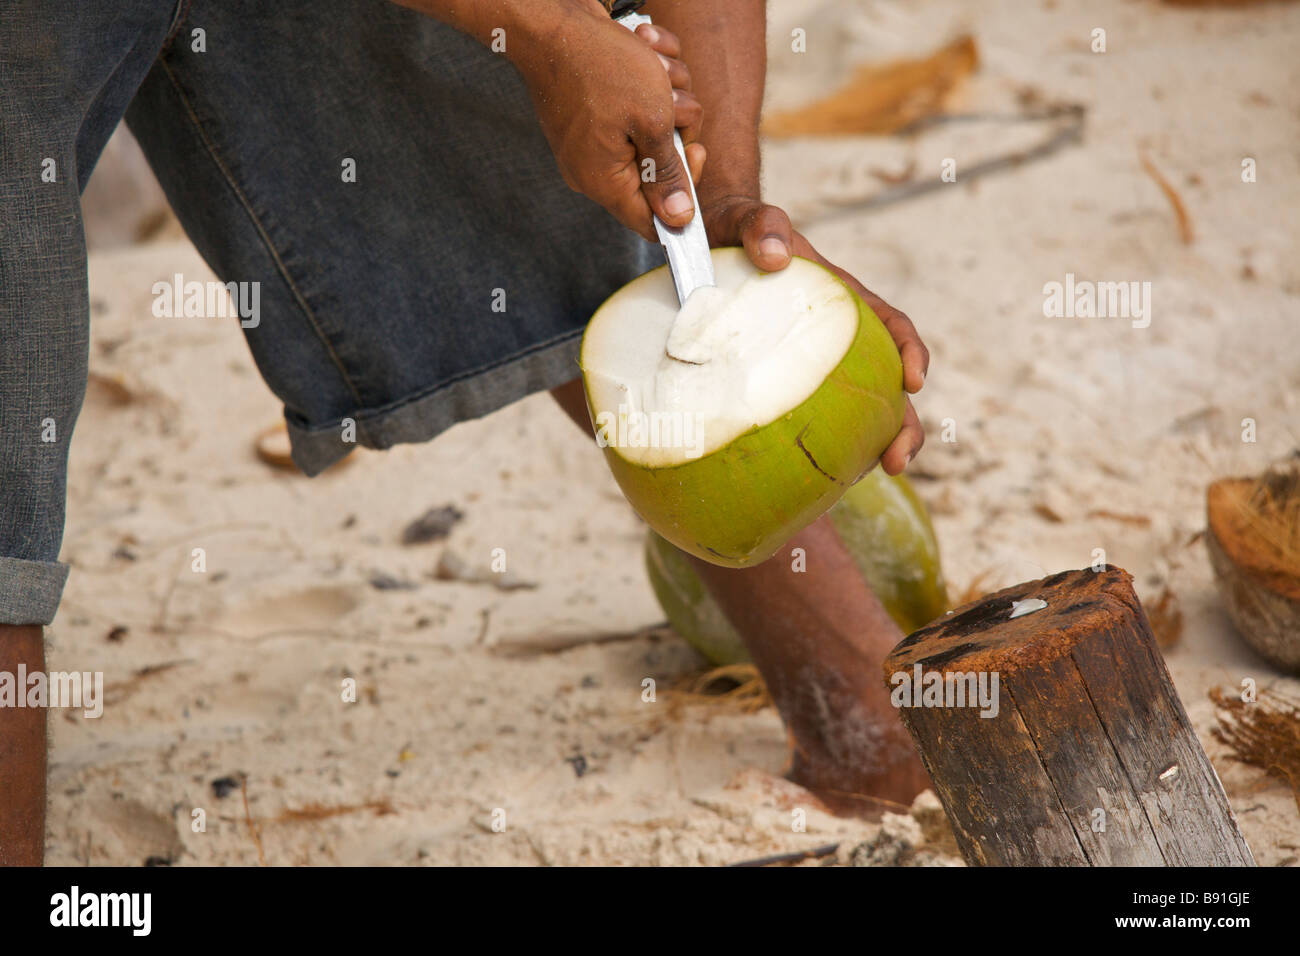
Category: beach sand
[1071,434]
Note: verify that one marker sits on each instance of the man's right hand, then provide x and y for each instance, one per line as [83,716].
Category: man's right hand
[608,101]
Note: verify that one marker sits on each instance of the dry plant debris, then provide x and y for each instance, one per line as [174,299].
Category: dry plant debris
[1264,733]
[881,100]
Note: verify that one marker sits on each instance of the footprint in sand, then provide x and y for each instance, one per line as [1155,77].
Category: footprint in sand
[129,830]
[310,609]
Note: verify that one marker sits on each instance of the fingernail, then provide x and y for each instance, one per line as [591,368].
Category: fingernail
[678,204]
[772,246]
[908,460]
[650,33]
[668,64]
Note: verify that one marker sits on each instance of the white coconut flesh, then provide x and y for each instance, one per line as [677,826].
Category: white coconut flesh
[737,356]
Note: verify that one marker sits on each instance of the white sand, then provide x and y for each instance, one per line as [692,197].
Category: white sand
[1075,414]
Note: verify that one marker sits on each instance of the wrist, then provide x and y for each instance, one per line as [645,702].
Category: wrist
[546,32]
[731,173]
[723,213]
[722,196]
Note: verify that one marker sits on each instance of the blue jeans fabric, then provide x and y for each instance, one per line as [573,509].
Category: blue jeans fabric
[453,277]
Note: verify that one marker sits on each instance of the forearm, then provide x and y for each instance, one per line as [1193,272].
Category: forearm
[724,43]
[528,26]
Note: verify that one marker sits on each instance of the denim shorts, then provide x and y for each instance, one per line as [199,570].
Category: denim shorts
[382,178]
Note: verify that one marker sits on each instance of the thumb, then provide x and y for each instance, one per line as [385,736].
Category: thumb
[664,179]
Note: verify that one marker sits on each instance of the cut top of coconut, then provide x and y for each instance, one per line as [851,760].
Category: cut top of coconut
[669,384]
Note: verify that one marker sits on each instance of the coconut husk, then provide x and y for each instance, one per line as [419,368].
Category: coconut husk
[1218,3]
[272,447]
[1166,619]
[1264,733]
[1253,539]
[880,100]
[734,689]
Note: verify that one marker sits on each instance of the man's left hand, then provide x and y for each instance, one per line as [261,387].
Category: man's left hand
[770,241]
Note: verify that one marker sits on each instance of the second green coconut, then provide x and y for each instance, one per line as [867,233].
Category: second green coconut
[886,529]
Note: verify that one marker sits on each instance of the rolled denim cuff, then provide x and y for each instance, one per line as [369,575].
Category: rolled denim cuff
[30,590]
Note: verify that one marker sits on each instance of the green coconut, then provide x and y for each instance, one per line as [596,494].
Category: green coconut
[887,531]
[734,422]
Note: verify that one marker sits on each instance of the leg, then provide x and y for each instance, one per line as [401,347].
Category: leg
[818,637]
[22,756]
[68,75]
[573,401]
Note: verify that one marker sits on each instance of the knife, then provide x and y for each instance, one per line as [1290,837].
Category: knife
[687,248]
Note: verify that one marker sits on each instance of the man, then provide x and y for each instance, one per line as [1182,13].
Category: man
[387,174]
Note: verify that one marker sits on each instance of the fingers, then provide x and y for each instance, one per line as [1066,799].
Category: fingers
[620,192]
[633,209]
[916,364]
[664,181]
[696,155]
[905,445]
[678,74]
[916,357]
[663,176]
[662,41]
[688,115]
[767,236]
[765,231]
[669,49]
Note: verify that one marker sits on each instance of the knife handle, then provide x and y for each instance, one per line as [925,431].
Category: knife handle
[621,8]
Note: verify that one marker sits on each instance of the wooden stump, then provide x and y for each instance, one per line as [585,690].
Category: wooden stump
[1086,756]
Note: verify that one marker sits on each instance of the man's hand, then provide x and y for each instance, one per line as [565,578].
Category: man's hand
[770,241]
[608,101]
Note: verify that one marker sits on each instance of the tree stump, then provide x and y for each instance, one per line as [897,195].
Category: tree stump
[1085,756]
